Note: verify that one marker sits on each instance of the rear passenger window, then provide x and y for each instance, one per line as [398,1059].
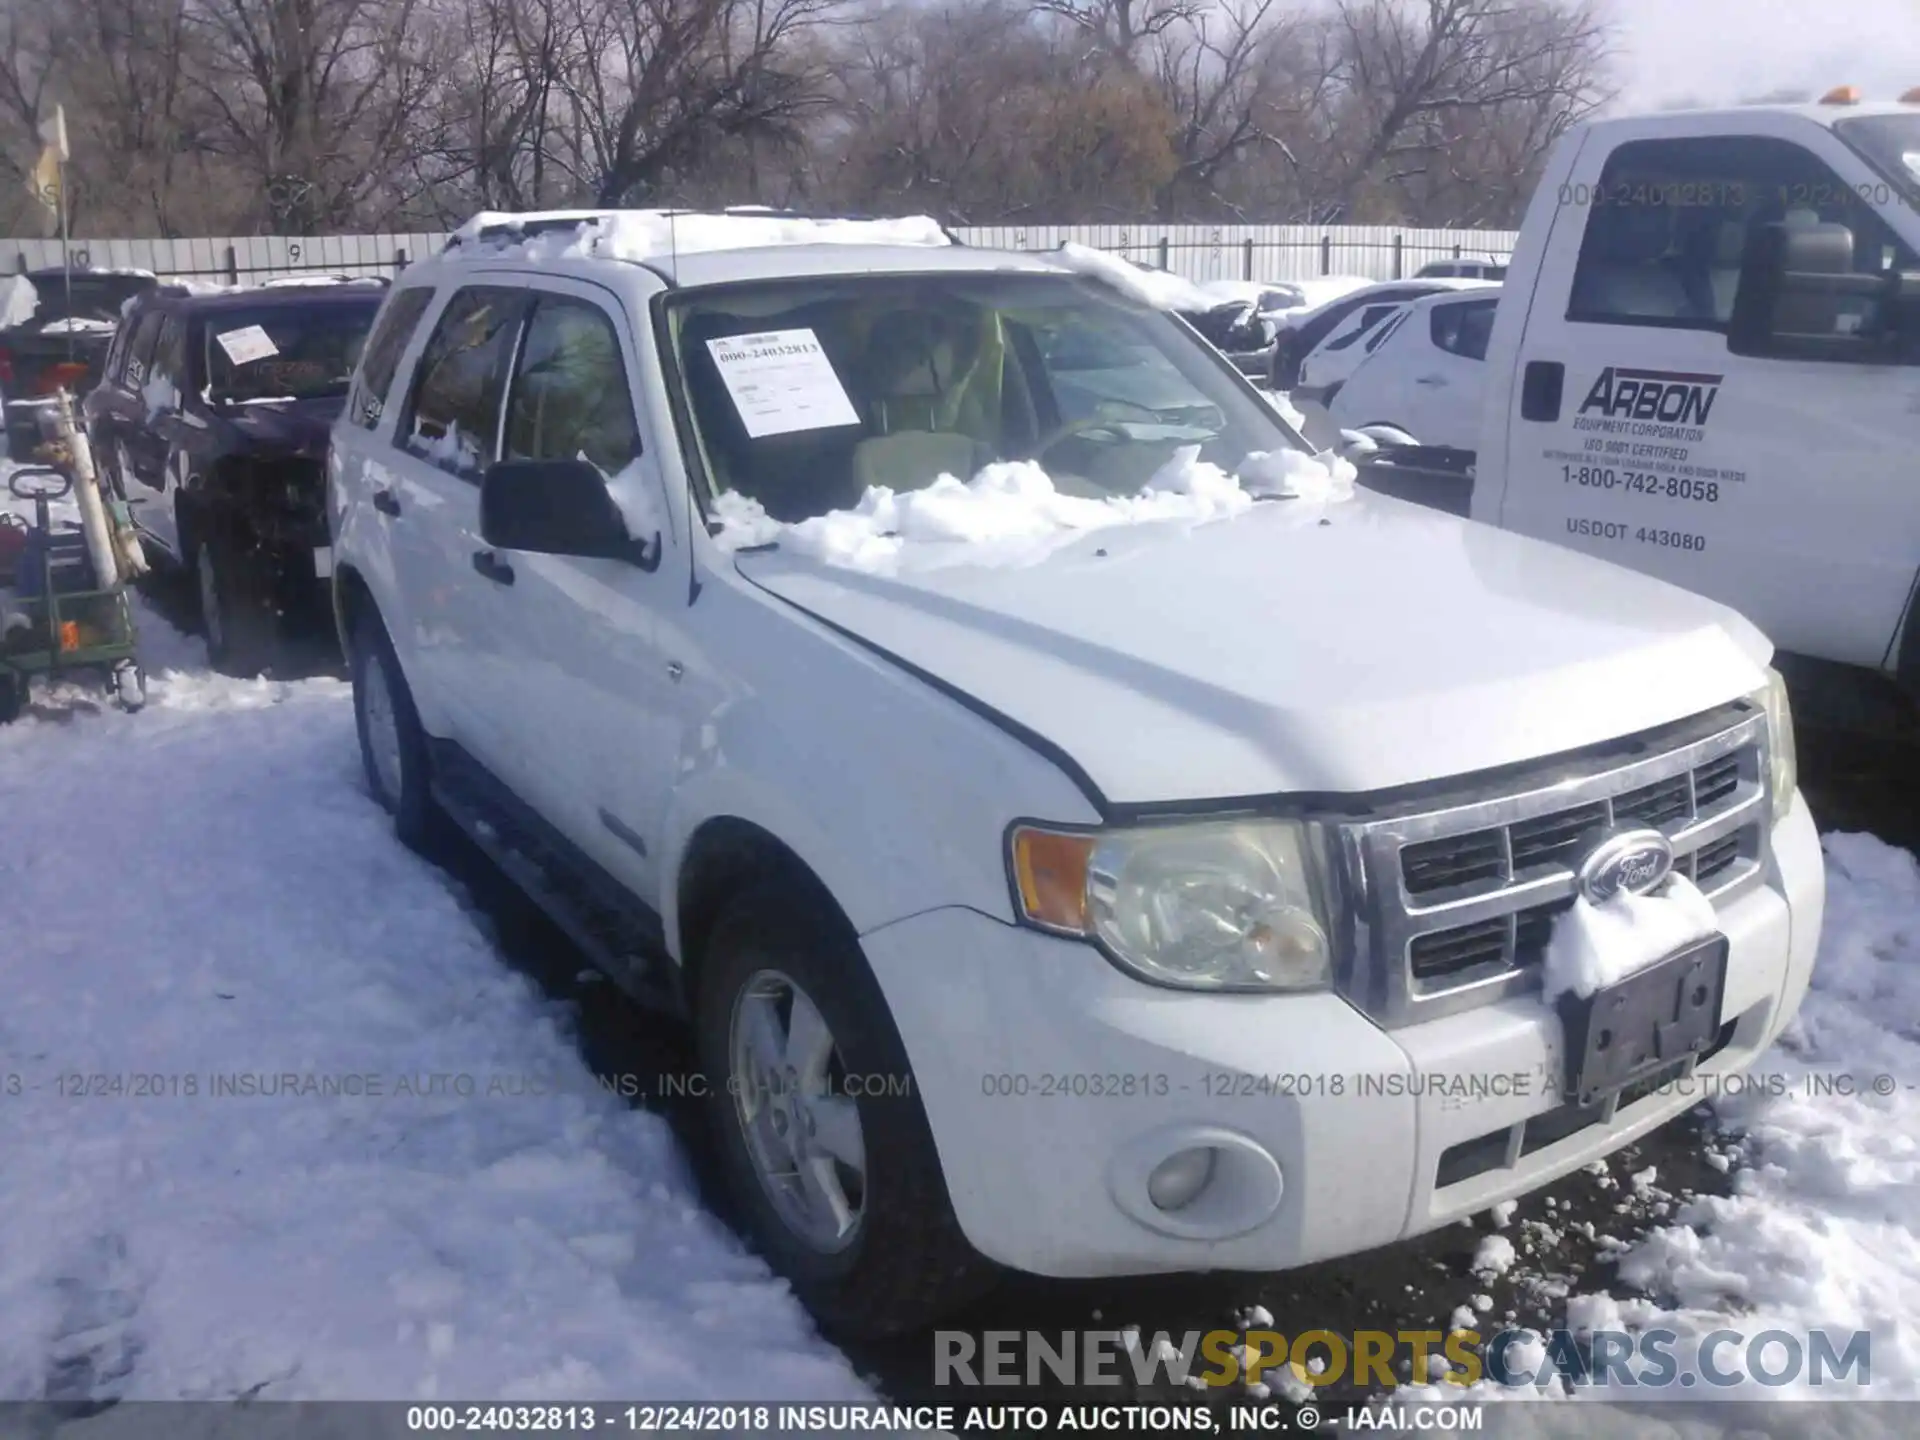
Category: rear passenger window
[570,397]
[1463,329]
[114,367]
[1669,219]
[1369,317]
[170,352]
[391,334]
[455,415]
[140,348]
[1385,332]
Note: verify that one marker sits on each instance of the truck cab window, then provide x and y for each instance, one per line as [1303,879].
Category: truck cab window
[1669,220]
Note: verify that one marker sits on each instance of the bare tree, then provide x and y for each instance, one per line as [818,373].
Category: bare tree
[311,97]
[661,83]
[304,115]
[975,112]
[1413,76]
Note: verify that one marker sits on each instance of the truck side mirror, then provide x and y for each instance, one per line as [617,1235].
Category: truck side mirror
[1801,298]
[557,507]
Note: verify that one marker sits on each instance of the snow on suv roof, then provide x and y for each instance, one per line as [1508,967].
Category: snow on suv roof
[651,236]
[708,248]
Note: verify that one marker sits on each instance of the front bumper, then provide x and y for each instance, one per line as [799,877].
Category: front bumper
[1035,1057]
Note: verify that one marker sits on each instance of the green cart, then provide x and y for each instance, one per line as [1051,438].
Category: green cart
[55,616]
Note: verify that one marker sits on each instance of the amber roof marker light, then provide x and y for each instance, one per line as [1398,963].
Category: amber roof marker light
[1843,95]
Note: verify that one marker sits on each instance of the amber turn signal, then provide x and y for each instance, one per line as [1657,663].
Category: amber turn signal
[1051,870]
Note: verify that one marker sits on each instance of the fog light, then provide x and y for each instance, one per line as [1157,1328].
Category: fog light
[1177,1181]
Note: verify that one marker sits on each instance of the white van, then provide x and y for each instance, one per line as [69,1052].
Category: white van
[1707,366]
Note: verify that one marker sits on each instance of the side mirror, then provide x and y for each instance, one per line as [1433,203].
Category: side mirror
[1801,298]
[558,507]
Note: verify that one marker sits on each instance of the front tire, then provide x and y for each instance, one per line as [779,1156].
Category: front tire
[839,1186]
[393,745]
[236,604]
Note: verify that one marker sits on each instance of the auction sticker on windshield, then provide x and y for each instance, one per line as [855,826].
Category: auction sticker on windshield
[247,344]
[781,381]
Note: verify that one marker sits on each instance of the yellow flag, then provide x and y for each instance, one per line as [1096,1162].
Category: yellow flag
[44,180]
[53,130]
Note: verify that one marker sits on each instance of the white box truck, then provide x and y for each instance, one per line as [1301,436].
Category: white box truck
[1706,365]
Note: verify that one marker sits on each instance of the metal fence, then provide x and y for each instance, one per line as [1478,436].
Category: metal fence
[1199,252]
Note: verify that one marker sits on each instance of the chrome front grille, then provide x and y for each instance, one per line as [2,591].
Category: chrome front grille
[1456,898]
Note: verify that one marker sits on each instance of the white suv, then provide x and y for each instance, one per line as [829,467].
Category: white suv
[1142,856]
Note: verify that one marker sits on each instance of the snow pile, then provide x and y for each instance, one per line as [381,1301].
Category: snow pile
[1824,1230]
[448,448]
[302,281]
[195,285]
[363,1158]
[657,234]
[1594,946]
[1159,289]
[159,394]
[1281,401]
[78,325]
[1325,289]
[1254,292]
[19,301]
[636,494]
[1011,512]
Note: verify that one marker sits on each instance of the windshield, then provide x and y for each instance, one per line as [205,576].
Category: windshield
[805,393]
[1891,144]
[285,352]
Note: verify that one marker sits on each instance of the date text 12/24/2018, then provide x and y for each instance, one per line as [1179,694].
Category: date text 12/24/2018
[767,1420]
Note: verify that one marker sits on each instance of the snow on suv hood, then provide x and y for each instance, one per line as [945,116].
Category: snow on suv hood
[1298,647]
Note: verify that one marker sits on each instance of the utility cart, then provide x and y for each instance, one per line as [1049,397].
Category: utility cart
[57,613]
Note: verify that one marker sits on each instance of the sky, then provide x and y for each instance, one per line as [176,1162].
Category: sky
[1721,51]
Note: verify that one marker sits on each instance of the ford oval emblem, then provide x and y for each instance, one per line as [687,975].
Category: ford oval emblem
[1631,862]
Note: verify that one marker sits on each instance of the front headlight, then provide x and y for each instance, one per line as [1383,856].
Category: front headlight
[1783,764]
[1214,905]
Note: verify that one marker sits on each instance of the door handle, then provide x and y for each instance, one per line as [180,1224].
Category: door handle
[1429,380]
[1540,386]
[493,567]
[386,502]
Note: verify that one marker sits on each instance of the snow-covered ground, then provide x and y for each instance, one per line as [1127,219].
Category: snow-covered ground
[200,901]
[1823,1228]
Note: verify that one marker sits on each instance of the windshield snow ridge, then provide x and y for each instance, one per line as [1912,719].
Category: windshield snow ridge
[1011,513]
